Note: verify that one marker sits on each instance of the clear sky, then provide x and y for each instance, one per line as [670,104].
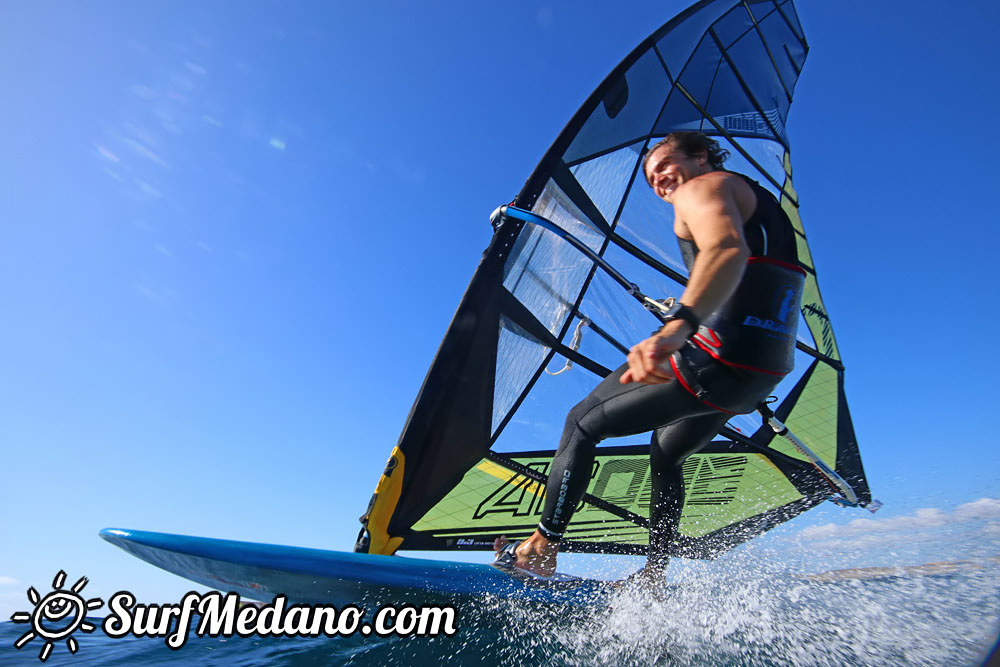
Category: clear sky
[232,236]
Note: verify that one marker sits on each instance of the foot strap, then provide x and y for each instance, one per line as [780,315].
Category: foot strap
[506,557]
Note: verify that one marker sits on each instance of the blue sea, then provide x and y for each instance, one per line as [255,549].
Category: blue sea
[936,615]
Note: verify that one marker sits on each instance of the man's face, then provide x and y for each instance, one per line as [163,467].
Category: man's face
[669,167]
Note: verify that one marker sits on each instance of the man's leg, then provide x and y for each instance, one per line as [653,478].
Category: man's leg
[611,410]
[670,445]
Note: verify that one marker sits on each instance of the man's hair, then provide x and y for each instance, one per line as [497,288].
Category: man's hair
[692,143]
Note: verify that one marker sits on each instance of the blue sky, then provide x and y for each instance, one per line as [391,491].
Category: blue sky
[231,241]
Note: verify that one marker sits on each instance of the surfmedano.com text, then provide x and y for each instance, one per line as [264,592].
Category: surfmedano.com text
[223,615]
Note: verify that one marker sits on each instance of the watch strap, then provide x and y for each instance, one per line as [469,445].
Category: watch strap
[684,313]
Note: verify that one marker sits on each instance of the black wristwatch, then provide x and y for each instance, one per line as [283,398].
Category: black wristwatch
[679,311]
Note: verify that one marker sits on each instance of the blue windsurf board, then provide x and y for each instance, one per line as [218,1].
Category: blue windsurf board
[312,576]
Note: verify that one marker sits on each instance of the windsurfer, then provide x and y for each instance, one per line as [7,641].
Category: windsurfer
[712,358]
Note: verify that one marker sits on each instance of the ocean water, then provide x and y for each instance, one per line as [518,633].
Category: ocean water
[705,617]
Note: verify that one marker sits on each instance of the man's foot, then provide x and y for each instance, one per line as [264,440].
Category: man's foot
[535,554]
[647,576]
[650,581]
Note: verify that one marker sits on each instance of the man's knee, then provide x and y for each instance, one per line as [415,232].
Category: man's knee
[579,415]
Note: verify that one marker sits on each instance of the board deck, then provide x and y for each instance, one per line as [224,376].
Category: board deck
[263,571]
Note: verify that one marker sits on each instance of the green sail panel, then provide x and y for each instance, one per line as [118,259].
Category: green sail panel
[813,310]
[721,490]
[814,419]
[492,498]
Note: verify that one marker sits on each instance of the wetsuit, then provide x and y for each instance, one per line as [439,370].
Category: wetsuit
[733,362]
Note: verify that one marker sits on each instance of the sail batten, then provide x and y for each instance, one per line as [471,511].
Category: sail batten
[476,449]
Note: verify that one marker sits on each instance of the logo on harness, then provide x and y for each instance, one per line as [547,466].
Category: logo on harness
[787,300]
[784,306]
[770,325]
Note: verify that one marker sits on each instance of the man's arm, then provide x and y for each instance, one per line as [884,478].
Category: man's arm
[707,210]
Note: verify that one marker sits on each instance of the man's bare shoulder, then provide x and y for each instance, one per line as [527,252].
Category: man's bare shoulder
[716,187]
[708,186]
[717,180]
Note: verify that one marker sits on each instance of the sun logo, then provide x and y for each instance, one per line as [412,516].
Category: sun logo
[56,616]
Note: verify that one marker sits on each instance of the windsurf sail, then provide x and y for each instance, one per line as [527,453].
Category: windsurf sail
[541,323]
